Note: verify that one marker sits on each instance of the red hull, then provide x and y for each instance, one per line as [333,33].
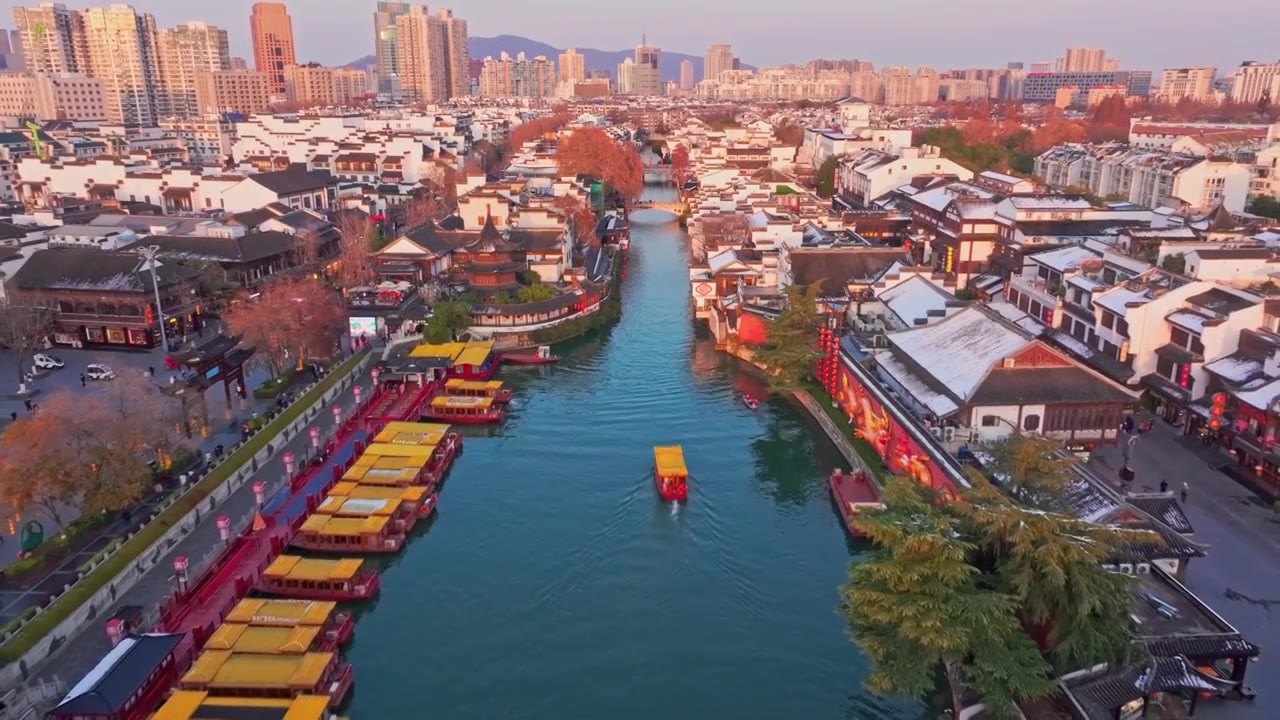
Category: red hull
[484,419]
[388,545]
[674,492]
[852,488]
[528,359]
[428,507]
[364,589]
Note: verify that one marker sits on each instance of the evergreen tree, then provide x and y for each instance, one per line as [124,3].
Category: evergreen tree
[788,353]
[824,180]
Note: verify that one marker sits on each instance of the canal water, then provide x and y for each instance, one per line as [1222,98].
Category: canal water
[554,584]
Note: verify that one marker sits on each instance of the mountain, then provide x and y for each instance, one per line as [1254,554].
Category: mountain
[607,60]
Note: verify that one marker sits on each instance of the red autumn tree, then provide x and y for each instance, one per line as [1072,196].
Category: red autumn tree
[1057,131]
[353,227]
[536,128]
[593,152]
[680,170]
[288,322]
[580,219]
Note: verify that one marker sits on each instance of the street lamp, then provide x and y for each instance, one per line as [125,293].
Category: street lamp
[149,253]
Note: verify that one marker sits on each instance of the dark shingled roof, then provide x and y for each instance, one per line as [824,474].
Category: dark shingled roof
[835,268]
[95,270]
[1202,646]
[1100,694]
[123,678]
[1221,301]
[251,218]
[1164,507]
[1021,386]
[294,179]
[250,247]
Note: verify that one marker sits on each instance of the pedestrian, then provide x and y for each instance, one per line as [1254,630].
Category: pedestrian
[28,404]
[1184,492]
[151,371]
[1164,486]
[84,381]
[14,415]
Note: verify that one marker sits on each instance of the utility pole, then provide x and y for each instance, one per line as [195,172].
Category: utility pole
[150,254]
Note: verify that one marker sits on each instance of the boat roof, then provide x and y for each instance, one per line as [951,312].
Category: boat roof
[224,669]
[350,507]
[267,613]
[447,351]
[352,490]
[382,451]
[263,639]
[388,471]
[345,526]
[474,354]
[669,460]
[293,567]
[480,385]
[198,705]
[461,402]
[411,433]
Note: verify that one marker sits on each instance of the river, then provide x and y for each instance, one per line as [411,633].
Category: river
[554,584]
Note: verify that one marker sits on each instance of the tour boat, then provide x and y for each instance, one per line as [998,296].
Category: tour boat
[270,676]
[478,388]
[359,529]
[852,493]
[542,356]
[750,402]
[463,410]
[334,628]
[291,576]
[669,472]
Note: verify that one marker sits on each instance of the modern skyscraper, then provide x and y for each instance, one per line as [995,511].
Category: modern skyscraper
[517,77]
[421,43]
[1195,83]
[52,38]
[626,76]
[686,74]
[718,59]
[273,49]
[457,57]
[646,76]
[186,52]
[573,66]
[350,84]
[242,91]
[1254,80]
[309,85]
[385,43]
[1085,60]
[123,54]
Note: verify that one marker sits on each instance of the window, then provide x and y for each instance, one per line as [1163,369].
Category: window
[1165,368]
[1122,327]
[1108,320]
[1031,423]
[990,420]
[1197,347]
[1178,337]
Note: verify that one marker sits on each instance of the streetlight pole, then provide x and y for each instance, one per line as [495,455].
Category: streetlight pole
[149,253]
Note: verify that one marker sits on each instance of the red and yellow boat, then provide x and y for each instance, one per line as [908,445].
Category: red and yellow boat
[362,527]
[270,676]
[192,705]
[670,473]
[463,410]
[853,493]
[478,388]
[416,501]
[334,628]
[319,579]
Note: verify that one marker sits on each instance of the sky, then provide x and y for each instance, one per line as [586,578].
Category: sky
[1143,34]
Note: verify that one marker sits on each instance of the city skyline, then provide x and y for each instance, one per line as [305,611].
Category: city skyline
[1137,37]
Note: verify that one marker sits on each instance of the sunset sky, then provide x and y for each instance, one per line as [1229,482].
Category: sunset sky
[1143,34]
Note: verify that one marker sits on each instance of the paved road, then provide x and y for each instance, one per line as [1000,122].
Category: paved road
[83,651]
[1244,553]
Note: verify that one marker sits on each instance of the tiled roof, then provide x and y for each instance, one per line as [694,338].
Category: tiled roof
[93,269]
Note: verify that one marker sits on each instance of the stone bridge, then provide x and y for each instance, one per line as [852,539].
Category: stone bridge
[677,208]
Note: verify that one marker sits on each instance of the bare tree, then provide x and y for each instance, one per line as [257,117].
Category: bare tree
[353,226]
[25,324]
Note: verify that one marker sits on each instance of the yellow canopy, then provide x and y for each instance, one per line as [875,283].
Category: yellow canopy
[384,451]
[669,461]
[263,640]
[448,351]
[345,526]
[358,507]
[287,613]
[377,492]
[192,704]
[409,433]
[473,385]
[292,567]
[474,354]
[222,669]
[459,402]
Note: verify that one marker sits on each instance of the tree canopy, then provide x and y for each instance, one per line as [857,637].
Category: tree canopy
[447,320]
[25,324]
[289,321]
[824,180]
[1266,206]
[593,152]
[788,353]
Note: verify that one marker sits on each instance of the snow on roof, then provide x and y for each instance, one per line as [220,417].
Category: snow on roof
[914,299]
[959,350]
[1086,284]
[1261,397]
[722,260]
[1010,312]
[1064,259]
[1000,177]
[1234,368]
[1188,320]
[1118,298]
[939,197]
[918,389]
[1050,202]
[1077,348]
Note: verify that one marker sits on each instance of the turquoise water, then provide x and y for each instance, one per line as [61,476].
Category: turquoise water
[554,584]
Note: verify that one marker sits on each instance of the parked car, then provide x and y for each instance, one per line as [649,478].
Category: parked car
[98,371]
[45,361]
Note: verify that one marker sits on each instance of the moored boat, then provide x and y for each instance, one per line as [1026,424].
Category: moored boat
[334,628]
[478,388]
[463,410]
[270,676]
[750,402]
[669,472]
[292,576]
[542,356]
[853,493]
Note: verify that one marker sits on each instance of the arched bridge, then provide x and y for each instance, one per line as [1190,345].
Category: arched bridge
[677,208]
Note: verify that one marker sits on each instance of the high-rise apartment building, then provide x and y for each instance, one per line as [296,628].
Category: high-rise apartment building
[517,77]
[11,51]
[718,59]
[350,84]
[646,76]
[52,38]
[44,96]
[1253,80]
[686,74]
[457,55]
[421,42]
[239,63]
[309,85]
[123,54]
[273,49]
[1194,83]
[187,52]
[573,66]
[385,41]
[1086,60]
[234,91]
[626,76]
